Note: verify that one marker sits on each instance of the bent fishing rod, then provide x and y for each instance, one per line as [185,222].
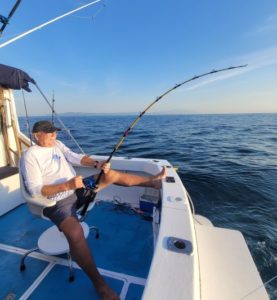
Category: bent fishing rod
[126,132]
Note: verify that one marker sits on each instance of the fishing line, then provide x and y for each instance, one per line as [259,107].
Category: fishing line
[116,147]
[26,110]
[27,117]
[59,119]
[258,287]
[93,16]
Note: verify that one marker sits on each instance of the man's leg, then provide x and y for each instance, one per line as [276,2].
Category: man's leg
[81,254]
[126,179]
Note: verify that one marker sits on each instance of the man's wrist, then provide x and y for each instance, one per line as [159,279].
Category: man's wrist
[96,163]
[66,186]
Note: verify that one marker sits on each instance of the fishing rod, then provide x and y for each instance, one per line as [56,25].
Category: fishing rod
[47,23]
[126,132]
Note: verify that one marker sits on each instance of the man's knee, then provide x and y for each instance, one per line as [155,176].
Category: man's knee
[111,176]
[76,235]
[73,230]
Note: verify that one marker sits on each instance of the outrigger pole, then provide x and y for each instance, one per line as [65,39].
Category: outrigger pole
[116,147]
[4,20]
[47,23]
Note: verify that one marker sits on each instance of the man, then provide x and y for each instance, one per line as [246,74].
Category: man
[47,171]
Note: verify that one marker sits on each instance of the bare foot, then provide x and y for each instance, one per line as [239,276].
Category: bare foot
[157,179]
[106,293]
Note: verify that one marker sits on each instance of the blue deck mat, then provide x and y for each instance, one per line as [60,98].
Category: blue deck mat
[125,244]
[22,229]
[55,286]
[13,281]
[126,240]
[134,292]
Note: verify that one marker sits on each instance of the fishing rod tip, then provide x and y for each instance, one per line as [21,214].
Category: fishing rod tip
[236,67]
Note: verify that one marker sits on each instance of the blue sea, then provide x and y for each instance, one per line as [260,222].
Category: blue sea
[228,163]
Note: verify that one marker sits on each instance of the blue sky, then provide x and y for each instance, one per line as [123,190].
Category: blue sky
[121,56]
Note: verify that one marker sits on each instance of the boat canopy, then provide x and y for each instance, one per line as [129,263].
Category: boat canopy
[13,78]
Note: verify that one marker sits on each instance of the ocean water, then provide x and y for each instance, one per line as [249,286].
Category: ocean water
[228,164]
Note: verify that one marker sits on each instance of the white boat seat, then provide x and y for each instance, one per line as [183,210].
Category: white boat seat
[35,204]
[59,244]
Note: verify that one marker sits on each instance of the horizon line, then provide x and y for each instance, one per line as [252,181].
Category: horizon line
[70,114]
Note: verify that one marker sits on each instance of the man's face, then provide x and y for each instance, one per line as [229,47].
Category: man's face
[45,139]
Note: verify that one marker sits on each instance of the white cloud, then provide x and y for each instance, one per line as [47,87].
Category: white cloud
[269,25]
[254,60]
[262,58]
[68,84]
[217,77]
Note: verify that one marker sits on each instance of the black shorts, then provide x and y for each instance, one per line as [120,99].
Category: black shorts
[67,207]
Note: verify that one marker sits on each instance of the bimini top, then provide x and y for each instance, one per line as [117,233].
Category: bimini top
[13,78]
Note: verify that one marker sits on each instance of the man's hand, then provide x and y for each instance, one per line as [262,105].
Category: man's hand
[89,162]
[105,167]
[75,183]
[72,184]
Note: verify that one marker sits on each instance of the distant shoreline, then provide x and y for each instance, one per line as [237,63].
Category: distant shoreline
[72,114]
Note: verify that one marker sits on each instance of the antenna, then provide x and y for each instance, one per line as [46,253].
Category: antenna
[53,106]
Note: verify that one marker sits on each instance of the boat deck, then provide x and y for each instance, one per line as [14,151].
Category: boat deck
[123,255]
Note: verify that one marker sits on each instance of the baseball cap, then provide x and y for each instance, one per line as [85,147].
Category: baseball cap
[44,126]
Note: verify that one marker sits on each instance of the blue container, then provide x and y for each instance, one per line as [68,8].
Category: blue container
[147,204]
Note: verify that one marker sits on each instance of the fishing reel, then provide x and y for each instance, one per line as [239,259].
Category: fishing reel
[89,183]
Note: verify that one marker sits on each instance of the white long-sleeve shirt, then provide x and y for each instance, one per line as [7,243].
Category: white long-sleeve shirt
[49,165]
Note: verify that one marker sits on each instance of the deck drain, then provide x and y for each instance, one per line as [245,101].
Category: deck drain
[10,296]
[179,245]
